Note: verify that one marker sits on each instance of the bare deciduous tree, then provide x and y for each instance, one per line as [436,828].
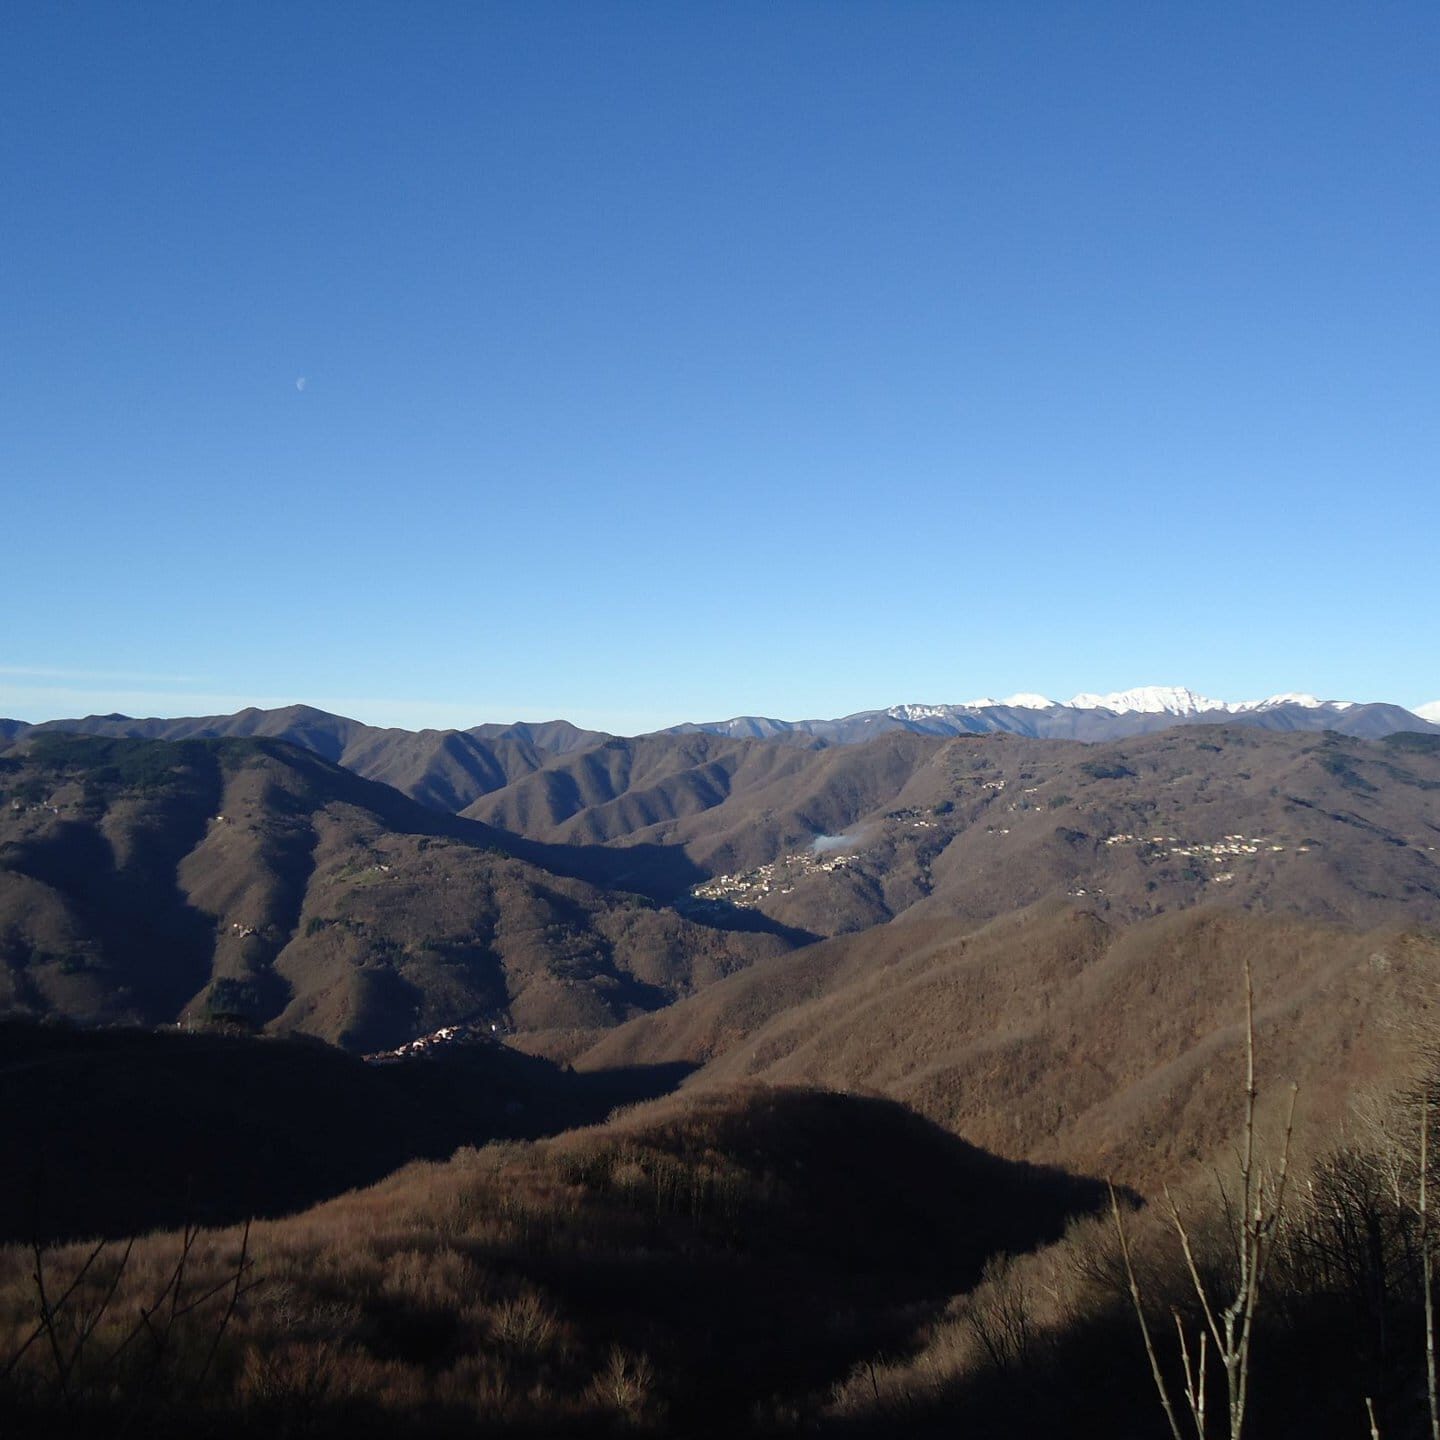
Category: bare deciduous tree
[1228,1327]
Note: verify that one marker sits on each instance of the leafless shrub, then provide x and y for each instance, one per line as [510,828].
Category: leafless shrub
[296,1375]
[626,1385]
[525,1326]
[1001,1317]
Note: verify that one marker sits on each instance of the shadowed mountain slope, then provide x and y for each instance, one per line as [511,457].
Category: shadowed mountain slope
[710,1266]
[337,897]
[149,881]
[741,799]
[1036,963]
[118,1131]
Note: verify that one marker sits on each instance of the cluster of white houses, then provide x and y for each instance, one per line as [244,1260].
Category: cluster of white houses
[448,1037]
[1163,847]
[749,887]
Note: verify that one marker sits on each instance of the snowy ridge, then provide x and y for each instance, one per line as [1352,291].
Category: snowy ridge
[1149,700]
[921,712]
[1292,698]
[1091,716]
[1143,700]
[1176,700]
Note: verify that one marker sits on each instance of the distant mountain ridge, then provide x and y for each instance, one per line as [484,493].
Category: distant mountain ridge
[1089,717]
[486,757]
[444,769]
[541,772]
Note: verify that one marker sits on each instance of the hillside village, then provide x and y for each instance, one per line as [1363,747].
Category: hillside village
[750,888]
[1226,851]
[446,1038]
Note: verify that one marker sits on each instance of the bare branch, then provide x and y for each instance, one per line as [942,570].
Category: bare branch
[1140,1315]
[47,1319]
[87,1328]
[59,1305]
[242,1265]
[1201,1293]
[1194,1379]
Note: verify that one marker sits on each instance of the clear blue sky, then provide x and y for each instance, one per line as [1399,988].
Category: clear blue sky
[644,362]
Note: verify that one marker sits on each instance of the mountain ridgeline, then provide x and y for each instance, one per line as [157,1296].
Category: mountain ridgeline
[1085,717]
[450,769]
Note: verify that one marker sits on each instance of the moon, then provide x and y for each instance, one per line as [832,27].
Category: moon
[302,382]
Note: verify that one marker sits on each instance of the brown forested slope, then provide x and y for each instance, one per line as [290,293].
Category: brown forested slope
[147,880]
[1052,1035]
[1292,823]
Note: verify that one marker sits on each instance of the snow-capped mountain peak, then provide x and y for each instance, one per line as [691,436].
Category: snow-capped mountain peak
[1143,700]
[1094,716]
[1309,702]
[1149,700]
[919,712]
[1026,700]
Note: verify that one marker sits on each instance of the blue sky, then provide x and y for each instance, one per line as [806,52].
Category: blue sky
[669,362]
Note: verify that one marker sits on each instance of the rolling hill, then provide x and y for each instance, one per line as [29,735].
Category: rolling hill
[1032,971]
[163,879]
[1051,1036]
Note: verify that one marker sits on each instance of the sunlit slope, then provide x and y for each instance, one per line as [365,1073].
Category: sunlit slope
[1052,1035]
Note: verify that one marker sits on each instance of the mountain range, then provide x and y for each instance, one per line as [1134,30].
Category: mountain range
[453,769]
[252,875]
[486,753]
[1090,717]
